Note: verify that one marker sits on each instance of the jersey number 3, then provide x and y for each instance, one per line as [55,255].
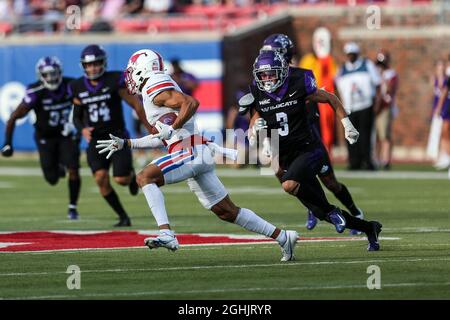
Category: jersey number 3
[282,119]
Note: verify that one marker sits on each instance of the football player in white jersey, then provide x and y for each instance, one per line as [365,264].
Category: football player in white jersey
[190,156]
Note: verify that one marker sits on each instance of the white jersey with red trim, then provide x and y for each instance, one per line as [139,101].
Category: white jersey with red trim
[156,84]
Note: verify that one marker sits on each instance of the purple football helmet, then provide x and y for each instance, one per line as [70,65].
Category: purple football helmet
[93,54]
[270,70]
[281,43]
[49,72]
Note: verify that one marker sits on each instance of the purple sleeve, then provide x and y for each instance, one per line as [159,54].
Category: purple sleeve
[310,82]
[122,80]
[30,99]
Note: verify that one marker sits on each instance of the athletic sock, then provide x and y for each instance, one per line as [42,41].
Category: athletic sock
[282,237]
[114,202]
[352,222]
[346,199]
[155,200]
[74,191]
[252,222]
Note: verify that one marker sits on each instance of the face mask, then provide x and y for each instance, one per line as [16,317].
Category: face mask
[447,71]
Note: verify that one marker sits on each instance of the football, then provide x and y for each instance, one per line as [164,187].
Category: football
[168,118]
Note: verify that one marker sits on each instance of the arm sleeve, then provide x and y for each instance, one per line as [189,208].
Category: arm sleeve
[31,98]
[78,117]
[310,82]
[145,142]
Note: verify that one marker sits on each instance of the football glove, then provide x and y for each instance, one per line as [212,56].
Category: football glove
[165,132]
[68,129]
[7,150]
[113,145]
[259,124]
[351,134]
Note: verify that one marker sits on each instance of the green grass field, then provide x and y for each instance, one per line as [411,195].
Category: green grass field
[416,266]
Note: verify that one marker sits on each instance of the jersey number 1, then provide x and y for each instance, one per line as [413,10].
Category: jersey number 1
[282,118]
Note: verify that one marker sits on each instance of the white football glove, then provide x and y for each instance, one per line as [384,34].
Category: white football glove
[165,132]
[259,124]
[351,134]
[113,145]
[68,129]
[266,149]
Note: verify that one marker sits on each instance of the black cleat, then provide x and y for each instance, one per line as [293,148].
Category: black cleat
[123,222]
[373,236]
[133,186]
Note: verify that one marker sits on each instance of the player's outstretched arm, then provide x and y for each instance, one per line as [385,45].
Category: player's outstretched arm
[186,104]
[20,112]
[136,103]
[322,96]
[115,144]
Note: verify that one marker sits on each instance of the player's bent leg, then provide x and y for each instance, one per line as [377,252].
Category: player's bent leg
[74,184]
[123,181]
[246,218]
[102,179]
[51,175]
[291,187]
[341,192]
[150,179]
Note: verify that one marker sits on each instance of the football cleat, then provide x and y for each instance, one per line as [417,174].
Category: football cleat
[335,216]
[72,214]
[312,221]
[287,249]
[133,186]
[164,240]
[373,236]
[354,232]
[123,222]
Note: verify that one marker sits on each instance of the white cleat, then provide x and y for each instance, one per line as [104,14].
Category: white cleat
[287,249]
[163,240]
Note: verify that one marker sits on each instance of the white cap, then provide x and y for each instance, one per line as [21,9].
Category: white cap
[351,47]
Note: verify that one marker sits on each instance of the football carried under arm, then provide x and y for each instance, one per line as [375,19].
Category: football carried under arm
[322,96]
[186,106]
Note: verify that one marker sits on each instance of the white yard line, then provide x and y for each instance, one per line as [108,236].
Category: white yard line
[236,173]
[227,290]
[238,266]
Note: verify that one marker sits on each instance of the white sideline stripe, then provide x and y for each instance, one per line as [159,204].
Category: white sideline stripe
[305,288]
[236,173]
[289,264]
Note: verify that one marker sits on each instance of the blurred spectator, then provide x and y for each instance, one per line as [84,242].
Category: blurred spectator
[92,13]
[187,81]
[442,112]
[358,82]
[132,7]
[111,9]
[387,108]
[324,68]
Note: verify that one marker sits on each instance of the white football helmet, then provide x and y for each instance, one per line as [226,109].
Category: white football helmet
[141,65]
